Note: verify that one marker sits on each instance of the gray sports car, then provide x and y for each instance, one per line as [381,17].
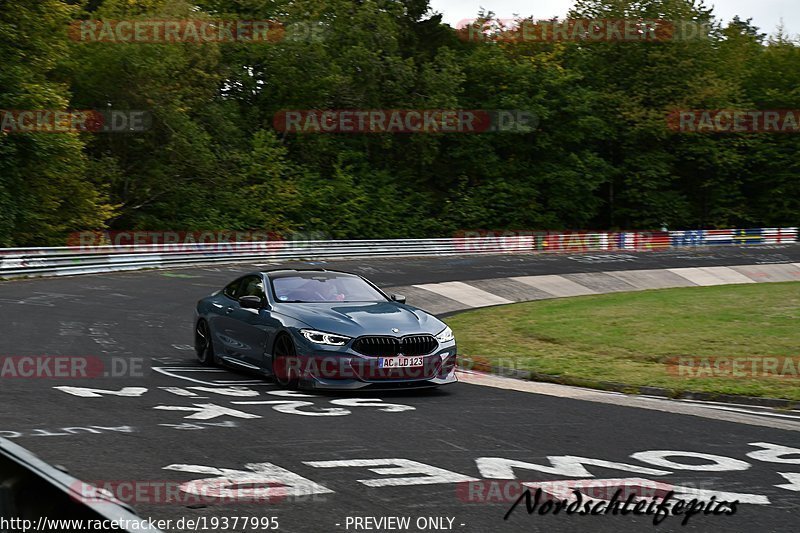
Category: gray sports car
[324,330]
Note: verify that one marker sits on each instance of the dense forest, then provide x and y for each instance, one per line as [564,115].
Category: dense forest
[600,157]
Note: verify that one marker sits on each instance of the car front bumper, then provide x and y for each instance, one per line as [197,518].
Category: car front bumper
[342,369]
[318,383]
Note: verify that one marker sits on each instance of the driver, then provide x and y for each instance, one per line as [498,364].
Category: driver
[329,290]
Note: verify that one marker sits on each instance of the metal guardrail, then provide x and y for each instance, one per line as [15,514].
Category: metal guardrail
[87,259]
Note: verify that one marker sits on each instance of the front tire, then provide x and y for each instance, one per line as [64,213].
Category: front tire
[284,363]
[203,346]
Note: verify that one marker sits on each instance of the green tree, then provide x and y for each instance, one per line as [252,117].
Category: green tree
[46,188]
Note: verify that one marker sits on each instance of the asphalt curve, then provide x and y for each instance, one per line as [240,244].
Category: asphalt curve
[165,421]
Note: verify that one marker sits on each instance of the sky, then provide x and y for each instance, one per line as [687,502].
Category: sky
[766,14]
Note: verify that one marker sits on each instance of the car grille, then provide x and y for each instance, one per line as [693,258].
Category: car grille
[391,346]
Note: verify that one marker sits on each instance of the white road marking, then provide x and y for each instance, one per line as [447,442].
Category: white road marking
[773,453]
[562,465]
[292,407]
[369,402]
[226,486]
[425,474]
[719,463]
[207,411]
[291,394]
[186,426]
[85,392]
[465,294]
[239,392]
[179,391]
[62,432]
[794,481]
[262,478]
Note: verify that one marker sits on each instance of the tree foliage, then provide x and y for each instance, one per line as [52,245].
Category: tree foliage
[601,155]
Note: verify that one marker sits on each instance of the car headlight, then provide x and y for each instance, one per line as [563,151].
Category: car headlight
[446,335]
[320,337]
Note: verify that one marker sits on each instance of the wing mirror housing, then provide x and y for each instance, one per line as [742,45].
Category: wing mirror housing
[250,302]
[399,298]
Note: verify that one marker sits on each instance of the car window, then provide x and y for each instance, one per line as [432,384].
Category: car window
[232,289]
[324,287]
[252,286]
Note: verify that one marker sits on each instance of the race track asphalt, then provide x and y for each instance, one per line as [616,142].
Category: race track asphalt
[167,421]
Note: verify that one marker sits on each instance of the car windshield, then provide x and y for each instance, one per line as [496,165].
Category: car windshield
[323,287]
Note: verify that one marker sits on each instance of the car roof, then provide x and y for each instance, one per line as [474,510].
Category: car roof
[291,272]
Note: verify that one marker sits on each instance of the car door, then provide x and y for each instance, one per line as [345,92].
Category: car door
[225,325]
[251,325]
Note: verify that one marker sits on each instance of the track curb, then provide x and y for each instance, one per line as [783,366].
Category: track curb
[634,390]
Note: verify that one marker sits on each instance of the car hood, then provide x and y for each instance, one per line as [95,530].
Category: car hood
[355,319]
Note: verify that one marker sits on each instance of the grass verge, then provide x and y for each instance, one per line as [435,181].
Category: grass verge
[633,337]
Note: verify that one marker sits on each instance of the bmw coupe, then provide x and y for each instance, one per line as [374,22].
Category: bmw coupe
[323,329]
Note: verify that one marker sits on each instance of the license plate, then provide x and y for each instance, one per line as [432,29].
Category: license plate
[399,362]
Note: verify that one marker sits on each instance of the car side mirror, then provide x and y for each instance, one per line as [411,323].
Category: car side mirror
[399,298]
[250,302]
